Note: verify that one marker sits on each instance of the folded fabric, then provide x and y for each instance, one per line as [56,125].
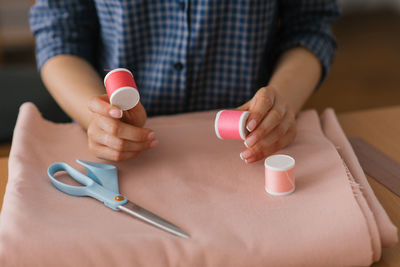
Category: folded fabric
[199,183]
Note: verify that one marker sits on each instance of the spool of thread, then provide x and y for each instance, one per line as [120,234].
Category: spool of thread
[231,124]
[121,89]
[279,175]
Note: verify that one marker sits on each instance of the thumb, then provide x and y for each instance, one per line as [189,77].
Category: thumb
[245,106]
[136,116]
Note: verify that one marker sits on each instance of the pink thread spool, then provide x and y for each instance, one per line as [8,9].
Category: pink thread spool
[121,89]
[231,124]
[279,175]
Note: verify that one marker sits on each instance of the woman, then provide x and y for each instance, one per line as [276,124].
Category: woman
[266,57]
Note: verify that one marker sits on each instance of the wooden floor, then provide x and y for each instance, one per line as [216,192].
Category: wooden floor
[366,72]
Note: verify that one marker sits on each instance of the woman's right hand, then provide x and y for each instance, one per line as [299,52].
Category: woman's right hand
[116,135]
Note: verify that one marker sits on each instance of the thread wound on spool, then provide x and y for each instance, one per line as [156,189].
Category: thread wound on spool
[121,88]
[120,78]
[279,175]
[231,124]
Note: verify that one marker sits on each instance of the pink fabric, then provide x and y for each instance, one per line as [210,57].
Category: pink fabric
[387,232]
[199,183]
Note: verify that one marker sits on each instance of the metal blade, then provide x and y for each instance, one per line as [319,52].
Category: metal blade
[152,219]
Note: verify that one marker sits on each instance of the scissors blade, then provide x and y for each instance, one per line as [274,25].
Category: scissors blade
[152,219]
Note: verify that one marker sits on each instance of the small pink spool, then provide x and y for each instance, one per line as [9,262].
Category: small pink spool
[121,89]
[279,175]
[231,124]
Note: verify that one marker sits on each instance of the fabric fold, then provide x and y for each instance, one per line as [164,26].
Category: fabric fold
[199,183]
[387,231]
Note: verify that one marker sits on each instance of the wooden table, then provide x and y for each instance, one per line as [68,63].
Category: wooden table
[3,177]
[379,127]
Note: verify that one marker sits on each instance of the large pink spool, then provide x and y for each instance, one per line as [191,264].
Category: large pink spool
[279,175]
[231,124]
[121,89]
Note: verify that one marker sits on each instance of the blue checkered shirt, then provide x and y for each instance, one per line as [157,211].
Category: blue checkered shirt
[185,55]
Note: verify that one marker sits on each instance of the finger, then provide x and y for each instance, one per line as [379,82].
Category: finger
[136,116]
[269,151]
[276,134]
[280,144]
[100,105]
[261,103]
[272,127]
[125,131]
[289,137]
[120,144]
[269,145]
[262,148]
[245,106]
[107,153]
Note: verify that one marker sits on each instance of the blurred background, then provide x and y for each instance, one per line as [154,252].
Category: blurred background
[365,73]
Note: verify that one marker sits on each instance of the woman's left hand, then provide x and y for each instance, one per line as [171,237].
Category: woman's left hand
[271,124]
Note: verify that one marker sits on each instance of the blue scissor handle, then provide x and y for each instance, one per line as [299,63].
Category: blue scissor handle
[92,186]
[103,174]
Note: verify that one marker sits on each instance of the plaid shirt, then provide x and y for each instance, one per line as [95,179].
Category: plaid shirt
[185,55]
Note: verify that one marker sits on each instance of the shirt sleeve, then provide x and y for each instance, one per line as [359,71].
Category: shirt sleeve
[308,23]
[64,27]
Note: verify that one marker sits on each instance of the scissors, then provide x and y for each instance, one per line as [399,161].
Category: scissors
[101,183]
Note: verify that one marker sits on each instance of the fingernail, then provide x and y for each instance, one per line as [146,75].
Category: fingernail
[245,160]
[151,136]
[250,160]
[154,143]
[250,141]
[251,125]
[246,154]
[115,113]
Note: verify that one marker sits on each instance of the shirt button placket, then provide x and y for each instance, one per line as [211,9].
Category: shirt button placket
[179,64]
[182,5]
